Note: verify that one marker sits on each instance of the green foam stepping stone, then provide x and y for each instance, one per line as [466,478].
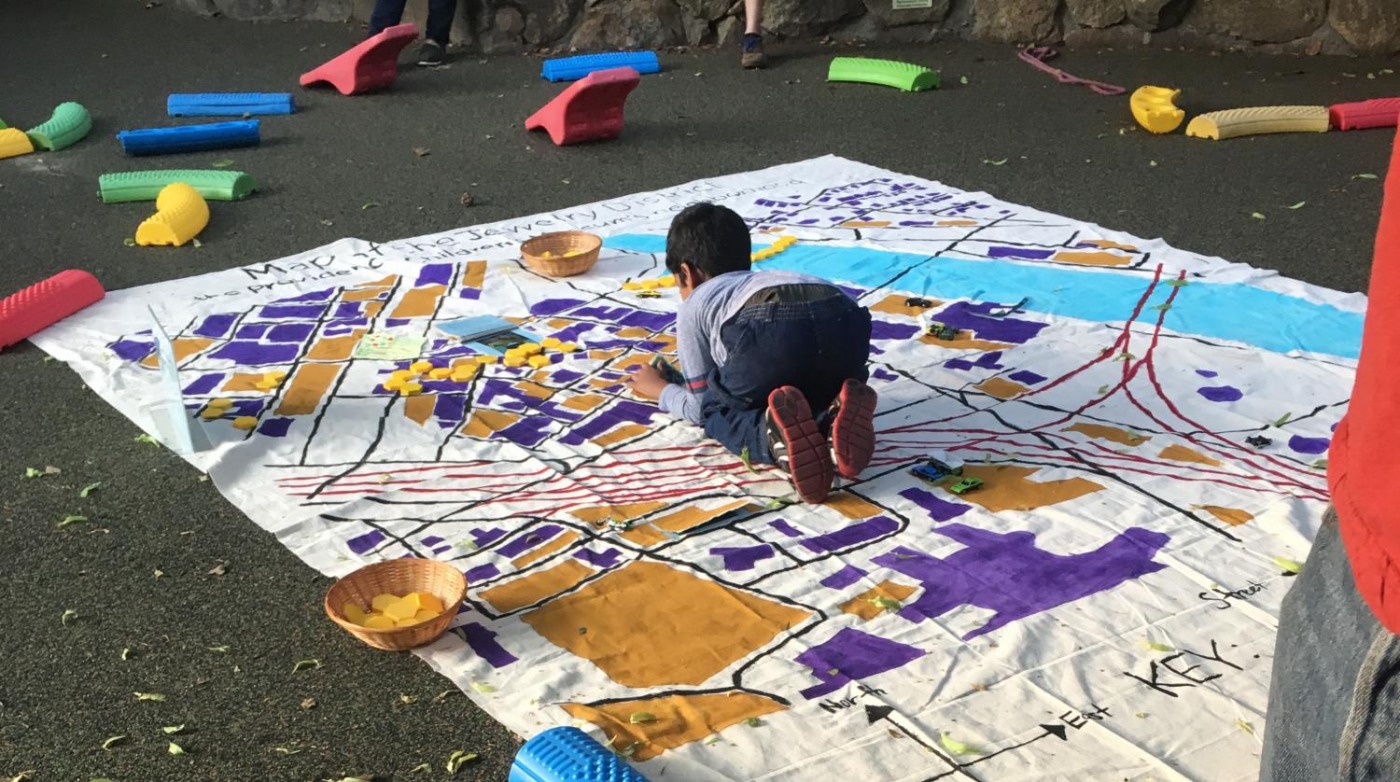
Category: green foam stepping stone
[215,185]
[67,126]
[888,73]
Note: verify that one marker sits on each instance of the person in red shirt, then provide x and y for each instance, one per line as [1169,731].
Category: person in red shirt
[1334,702]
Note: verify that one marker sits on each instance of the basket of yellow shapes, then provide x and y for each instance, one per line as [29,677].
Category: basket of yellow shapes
[561,254]
[399,604]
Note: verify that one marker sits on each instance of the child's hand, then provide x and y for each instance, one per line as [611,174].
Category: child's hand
[647,382]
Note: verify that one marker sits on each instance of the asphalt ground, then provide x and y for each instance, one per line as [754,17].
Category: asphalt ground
[151,617]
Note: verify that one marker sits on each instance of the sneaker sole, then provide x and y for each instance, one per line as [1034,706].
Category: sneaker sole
[853,430]
[809,462]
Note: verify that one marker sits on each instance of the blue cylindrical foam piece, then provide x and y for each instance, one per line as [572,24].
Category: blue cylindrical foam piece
[567,754]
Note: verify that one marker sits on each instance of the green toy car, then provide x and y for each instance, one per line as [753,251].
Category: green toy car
[965,485]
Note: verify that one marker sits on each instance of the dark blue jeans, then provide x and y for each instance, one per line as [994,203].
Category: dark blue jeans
[814,344]
[388,13]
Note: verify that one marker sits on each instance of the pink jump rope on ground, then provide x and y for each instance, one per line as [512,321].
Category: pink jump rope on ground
[1036,57]
[33,309]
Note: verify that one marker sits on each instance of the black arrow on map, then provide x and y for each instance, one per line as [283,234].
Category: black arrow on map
[1058,731]
[874,714]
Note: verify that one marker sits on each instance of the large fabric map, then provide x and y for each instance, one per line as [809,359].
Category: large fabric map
[1150,427]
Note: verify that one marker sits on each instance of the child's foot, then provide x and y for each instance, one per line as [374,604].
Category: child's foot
[796,445]
[431,54]
[853,427]
[751,51]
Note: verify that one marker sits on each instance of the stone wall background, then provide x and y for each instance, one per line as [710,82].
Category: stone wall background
[1283,26]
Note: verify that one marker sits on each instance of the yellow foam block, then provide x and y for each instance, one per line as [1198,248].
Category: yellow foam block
[632,285]
[421,366]
[531,349]
[409,389]
[466,373]
[1258,120]
[441,373]
[210,413]
[379,622]
[402,375]
[13,143]
[424,615]
[394,384]
[668,281]
[568,347]
[539,362]
[1154,109]
[427,602]
[550,342]
[245,422]
[353,612]
[223,403]
[382,601]
[485,359]
[401,609]
[514,361]
[181,213]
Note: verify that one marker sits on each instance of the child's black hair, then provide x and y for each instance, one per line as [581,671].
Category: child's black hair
[713,239]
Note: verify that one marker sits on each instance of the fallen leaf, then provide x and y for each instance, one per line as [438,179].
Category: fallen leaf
[583,631]
[1287,565]
[442,696]
[129,242]
[1140,714]
[962,80]
[957,747]
[458,758]
[1177,283]
[126,652]
[1163,307]
[327,222]
[113,741]
[24,776]
[90,488]
[1001,162]
[219,569]
[1244,725]
[287,750]
[1298,205]
[484,689]
[173,729]
[145,438]
[1318,464]
[640,717]
[408,698]
[310,662]
[420,767]
[175,749]
[1281,420]
[1102,390]
[467,199]
[422,151]
[71,520]
[565,181]
[197,244]
[746,459]
[886,603]
[157,573]
[1152,163]
[149,696]
[369,205]
[1371,76]
[225,163]
[309,703]
[1364,176]
[1257,215]
[1157,647]
[33,472]
[67,614]
[753,722]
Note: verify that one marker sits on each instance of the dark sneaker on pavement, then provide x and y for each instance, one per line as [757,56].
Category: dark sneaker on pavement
[796,445]
[751,51]
[431,54]
[853,428]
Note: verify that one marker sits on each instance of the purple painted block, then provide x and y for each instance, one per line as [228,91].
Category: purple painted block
[880,373]
[299,312]
[1009,575]
[853,655]
[566,376]
[442,550]
[960,364]
[743,558]
[349,309]
[844,577]
[1025,253]
[431,540]
[485,537]
[599,559]
[217,325]
[132,350]
[450,407]
[782,526]
[940,510]
[275,427]
[1207,373]
[435,274]
[290,332]
[363,544]
[394,323]
[469,293]
[624,411]
[1026,377]
[529,540]
[204,384]
[252,331]
[880,329]
[571,333]
[852,534]
[483,642]
[1220,393]
[651,321]
[558,412]
[482,573]
[1309,445]
[255,354]
[246,407]
[527,432]
[542,309]
[974,317]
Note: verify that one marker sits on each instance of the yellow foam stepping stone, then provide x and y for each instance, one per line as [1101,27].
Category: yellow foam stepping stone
[514,361]
[424,615]
[409,389]
[181,213]
[383,600]
[14,142]
[1232,123]
[531,348]
[465,374]
[401,610]
[669,281]
[245,422]
[485,359]
[421,366]
[568,347]
[394,384]
[211,413]
[441,373]
[379,622]
[631,285]
[1155,110]
[223,403]
[551,342]
[353,612]
[540,362]
[427,602]
[402,375]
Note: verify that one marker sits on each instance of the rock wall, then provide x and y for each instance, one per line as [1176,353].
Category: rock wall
[1311,26]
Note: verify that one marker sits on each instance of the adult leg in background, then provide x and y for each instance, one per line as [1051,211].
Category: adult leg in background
[387,13]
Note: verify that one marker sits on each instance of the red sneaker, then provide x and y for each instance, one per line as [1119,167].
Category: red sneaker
[797,446]
[853,427]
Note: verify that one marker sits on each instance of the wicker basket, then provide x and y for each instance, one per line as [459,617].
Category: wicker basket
[556,244]
[399,577]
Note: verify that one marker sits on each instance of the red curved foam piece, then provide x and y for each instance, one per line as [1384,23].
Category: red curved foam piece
[369,65]
[1365,114]
[30,311]
[590,109]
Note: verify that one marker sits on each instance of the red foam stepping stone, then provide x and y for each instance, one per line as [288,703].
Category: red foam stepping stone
[590,109]
[30,311]
[369,65]
[1365,114]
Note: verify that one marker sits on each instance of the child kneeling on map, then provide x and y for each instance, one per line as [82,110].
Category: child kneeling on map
[760,350]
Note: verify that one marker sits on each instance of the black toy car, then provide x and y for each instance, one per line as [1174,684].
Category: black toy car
[1258,441]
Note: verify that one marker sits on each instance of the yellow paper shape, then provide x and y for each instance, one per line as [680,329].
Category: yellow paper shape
[383,600]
